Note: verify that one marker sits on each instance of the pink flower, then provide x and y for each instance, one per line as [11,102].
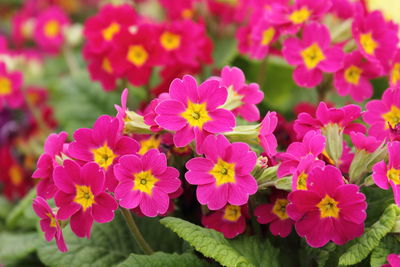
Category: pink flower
[343,116]
[263,35]
[101,70]
[229,11]
[266,136]
[82,197]
[383,114]
[179,9]
[149,114]
[300,175]
[23,24]
[243,36]
[275,214]
[53,147]
[389,174]
[230,220]
[312,55]
[223,176]
[49,223]
[192,112]
[10,88]
[394,79]
[354,78]
[328,210]
[362,142]
[394,261]
[104,145]
[248,94]
[376,38]
[146,182]
[49,29]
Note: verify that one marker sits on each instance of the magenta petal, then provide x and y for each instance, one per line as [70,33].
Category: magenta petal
[170,107]
[93,176]
[148,206]
[212,94]
[81,223]
[169,180]
[199,178]
[68,210]
[281,227]
[237,196]
[247,183]
[184,136]
[132,199]
[222,121]
[199,164]
[63,179]
[307,78]
[212,196]
[103,209]
[126,145]
[155,161]
[184,90]
[123,188]
[379,175]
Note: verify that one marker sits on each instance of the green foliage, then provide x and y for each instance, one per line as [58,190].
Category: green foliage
[389,244]
[377,200]
[363,245]
[22,215]
[224,51]
[161,259]
[14,247]
[321,255]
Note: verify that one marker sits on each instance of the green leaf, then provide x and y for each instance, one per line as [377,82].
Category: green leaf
[210,243]
[389,244]
[5,207]
[321,255]
[14,247]
[23,216]
[161,259]
[224,51]
[284,183]
[370,239]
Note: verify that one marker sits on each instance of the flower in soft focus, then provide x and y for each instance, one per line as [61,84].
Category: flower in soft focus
[275,214]
[82,196]
[386,175]
[53,147]
[193,111]
[178,9]
[362,142]
[146,182]
[266,136]
[49,223]
[384,114]
[300,175]
[104,145]
[354,78]
[100,69]
[393,259]
[49,29]
[10,86]
[230,220]
[229,11]
[312,55]
[330,210]
[262,36]
[376,38]
[223,176]
[394,77]
[23,24]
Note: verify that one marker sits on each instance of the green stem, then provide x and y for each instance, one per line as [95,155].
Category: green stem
[136,232]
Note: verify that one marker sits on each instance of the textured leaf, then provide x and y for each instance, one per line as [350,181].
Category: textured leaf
[14,247]
[22,215]
[389,244]
[321,255]
[161,259]
[370,239]
[209,242]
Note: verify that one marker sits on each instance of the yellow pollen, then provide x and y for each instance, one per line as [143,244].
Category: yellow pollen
[302,181]
[267,35]
[170,41]
[137,55]
[328,207]
[352,74]
[394,175]
[368,43]
[5,86]
[150,143]
[300,15]
[196,114]
[312,56]
[106,65]
[144,181]
[110,31]
[395,73]
[187,13]
[223,172]
[16,175]
[232,213]
[52,28]
[392,117]
[84,196]
[53,222]
[103,156]
[279,208]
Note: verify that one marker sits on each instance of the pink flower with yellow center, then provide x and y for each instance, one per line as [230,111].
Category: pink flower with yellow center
[230,220]
[49,223]
[312,55]
[82,196]
[266,135]
[179,9]
[275,214]
[386,175]
[300,175]
[263,35]
[100,69]
[223,176]
[394,71]
[192,111]
[10,84]
[329,210]
[103,144]
[146,182]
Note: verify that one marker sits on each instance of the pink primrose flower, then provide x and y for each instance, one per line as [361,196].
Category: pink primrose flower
[394,261]
[300,175]
[10,88]
[266,137]
[363,142]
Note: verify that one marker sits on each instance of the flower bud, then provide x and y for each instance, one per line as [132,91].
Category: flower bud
[134,124]
[334,141]
[244,133]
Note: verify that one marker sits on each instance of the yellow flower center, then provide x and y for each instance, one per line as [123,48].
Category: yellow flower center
[110,31]
[223,172]
[84,196]
[368,43]
[187,13]
[232,213]
[302,181]
[103,156]
[170,41]
[5,86]
[352,74]
[229,2]
[394,175]
[52,28]
[396,73]
[144,181]
[267,36]
[53,222]
[196,114]
[392,117]
[16,175]
[279,208]
[328,207]
[300,15]
[137,55]
[106,65]
[312,56]
[150,143]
